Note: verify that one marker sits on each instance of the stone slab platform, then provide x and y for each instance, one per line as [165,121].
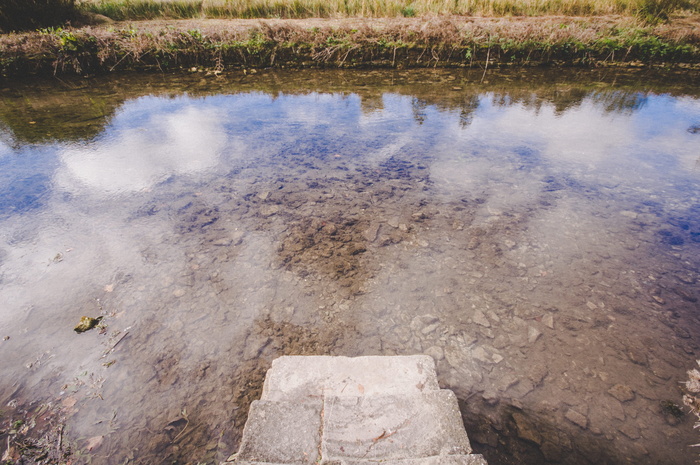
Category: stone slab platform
[355,411]
[472,459]
[282,432]
[393,427]
[300,378]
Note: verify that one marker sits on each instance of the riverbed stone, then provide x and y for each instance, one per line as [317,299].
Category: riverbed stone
[533,334]
[614,409]
[459,358]
[622,392]
[436,352]
[429,329]
[551,451]
[685,294]
[370,234]
[480,319]
[491,397]
[488,332]
[179,292]
[537,373]
[526,429]
[423,321]
[482,355]
[269,210]
[630,430]
[637,356]
[577,418]
[507,382]
[548,320]
[255,344]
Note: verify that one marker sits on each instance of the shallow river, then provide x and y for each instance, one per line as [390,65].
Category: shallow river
[537,233]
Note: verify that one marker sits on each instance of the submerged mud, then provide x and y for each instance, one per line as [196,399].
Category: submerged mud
[541,246]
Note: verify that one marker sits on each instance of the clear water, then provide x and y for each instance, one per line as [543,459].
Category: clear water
[537,233]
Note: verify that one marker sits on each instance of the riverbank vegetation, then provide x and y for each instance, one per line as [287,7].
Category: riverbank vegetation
[400,42]
[648,10]
[112,35]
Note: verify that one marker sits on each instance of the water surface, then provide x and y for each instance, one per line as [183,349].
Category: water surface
[537,233]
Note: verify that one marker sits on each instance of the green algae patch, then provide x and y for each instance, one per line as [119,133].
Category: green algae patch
[86,324]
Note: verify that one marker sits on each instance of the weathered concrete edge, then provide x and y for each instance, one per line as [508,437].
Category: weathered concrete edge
[453,448]
[310,377]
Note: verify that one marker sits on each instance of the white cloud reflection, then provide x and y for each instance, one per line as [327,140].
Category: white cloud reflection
[140,151]
[153,138]
[585,142]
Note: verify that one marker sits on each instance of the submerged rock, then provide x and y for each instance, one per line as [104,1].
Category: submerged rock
[480,319]
[87,323]
[548,321]
[526,430]
[533,334]
[577,418]
[621,392]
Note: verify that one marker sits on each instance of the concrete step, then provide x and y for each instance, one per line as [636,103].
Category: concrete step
[472,459]
[302,378]
[281,432]
[354,411]
[393,427]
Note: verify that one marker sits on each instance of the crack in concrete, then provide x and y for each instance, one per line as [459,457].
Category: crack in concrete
[320,430]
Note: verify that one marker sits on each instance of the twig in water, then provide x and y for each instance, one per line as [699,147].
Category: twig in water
[186,417]
[488,55]
[59,445]
[120,60]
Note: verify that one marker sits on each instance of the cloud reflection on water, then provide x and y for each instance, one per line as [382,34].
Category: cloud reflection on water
[143,150]
[156,267]
[151,139]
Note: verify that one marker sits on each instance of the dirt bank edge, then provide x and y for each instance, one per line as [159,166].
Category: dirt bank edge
[218,45]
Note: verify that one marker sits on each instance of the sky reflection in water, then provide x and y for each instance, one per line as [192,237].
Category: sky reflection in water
[222,231]
[151,139]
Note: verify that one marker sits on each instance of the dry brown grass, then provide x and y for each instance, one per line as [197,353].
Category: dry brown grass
[140,9]
[691,398]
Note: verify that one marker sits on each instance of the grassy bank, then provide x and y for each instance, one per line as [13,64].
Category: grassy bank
[439,41]
[357,33]
[648,10]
